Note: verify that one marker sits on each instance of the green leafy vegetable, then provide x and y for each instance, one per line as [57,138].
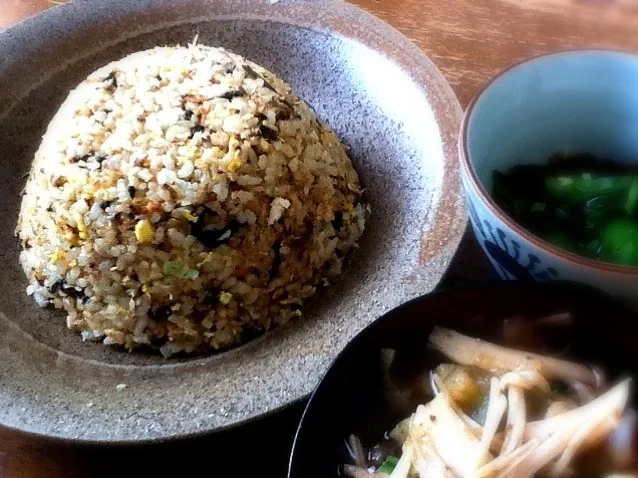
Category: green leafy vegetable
[619,241]
[388,466]
[599,208]
[578,203]
[179,269]
[632,198]
[593,247]
[575,188]
[562,240]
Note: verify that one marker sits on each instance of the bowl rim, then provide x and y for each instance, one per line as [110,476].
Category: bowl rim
[483,194]
[488,286]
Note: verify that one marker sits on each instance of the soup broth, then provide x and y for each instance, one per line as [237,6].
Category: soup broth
[517,406]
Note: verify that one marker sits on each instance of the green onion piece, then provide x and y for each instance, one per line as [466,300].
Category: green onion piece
[179,269]
[388,466]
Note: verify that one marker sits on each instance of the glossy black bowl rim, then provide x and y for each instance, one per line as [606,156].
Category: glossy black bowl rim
[491,285]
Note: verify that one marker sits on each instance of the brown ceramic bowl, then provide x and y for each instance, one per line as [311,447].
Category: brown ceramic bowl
[381,95]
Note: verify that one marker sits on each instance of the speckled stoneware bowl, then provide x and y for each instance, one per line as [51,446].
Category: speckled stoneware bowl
[386,101]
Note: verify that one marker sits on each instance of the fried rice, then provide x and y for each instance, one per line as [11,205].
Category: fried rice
[186,199]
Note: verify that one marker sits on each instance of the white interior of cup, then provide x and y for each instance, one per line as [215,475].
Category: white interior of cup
[580,101]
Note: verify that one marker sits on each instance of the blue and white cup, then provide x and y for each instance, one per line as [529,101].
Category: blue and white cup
[581,101]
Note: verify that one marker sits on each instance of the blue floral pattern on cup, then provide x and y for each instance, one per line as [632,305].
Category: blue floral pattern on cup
[506,255]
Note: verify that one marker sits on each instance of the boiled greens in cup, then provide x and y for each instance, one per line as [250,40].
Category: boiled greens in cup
[579,203]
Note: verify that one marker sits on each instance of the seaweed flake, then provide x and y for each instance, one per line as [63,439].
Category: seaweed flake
[337,222]
[159,78]
[159,314]
[276,260]
[84,158]
[131,191]
[188,114]
[112,78]
[212,237]
[283,109]
[211,297]
[250,73]
[56,286]
[105,204]
[268,133]
[198,128]
[68,291]
[229,95]
[249,334]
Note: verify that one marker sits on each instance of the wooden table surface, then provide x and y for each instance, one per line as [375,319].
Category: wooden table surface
[470,40]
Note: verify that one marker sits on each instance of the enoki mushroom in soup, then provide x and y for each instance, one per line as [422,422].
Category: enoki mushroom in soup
[494,411]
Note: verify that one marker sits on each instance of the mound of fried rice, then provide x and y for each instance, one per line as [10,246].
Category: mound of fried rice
[186,199]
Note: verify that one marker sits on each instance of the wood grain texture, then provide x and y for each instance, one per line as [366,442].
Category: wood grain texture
[621,12]
[470,40]
[12,11]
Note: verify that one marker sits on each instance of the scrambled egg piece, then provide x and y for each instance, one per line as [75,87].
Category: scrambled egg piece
[225,297]
[58,255]
[144,232]
[189,217]
[235,163]
[82,231]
